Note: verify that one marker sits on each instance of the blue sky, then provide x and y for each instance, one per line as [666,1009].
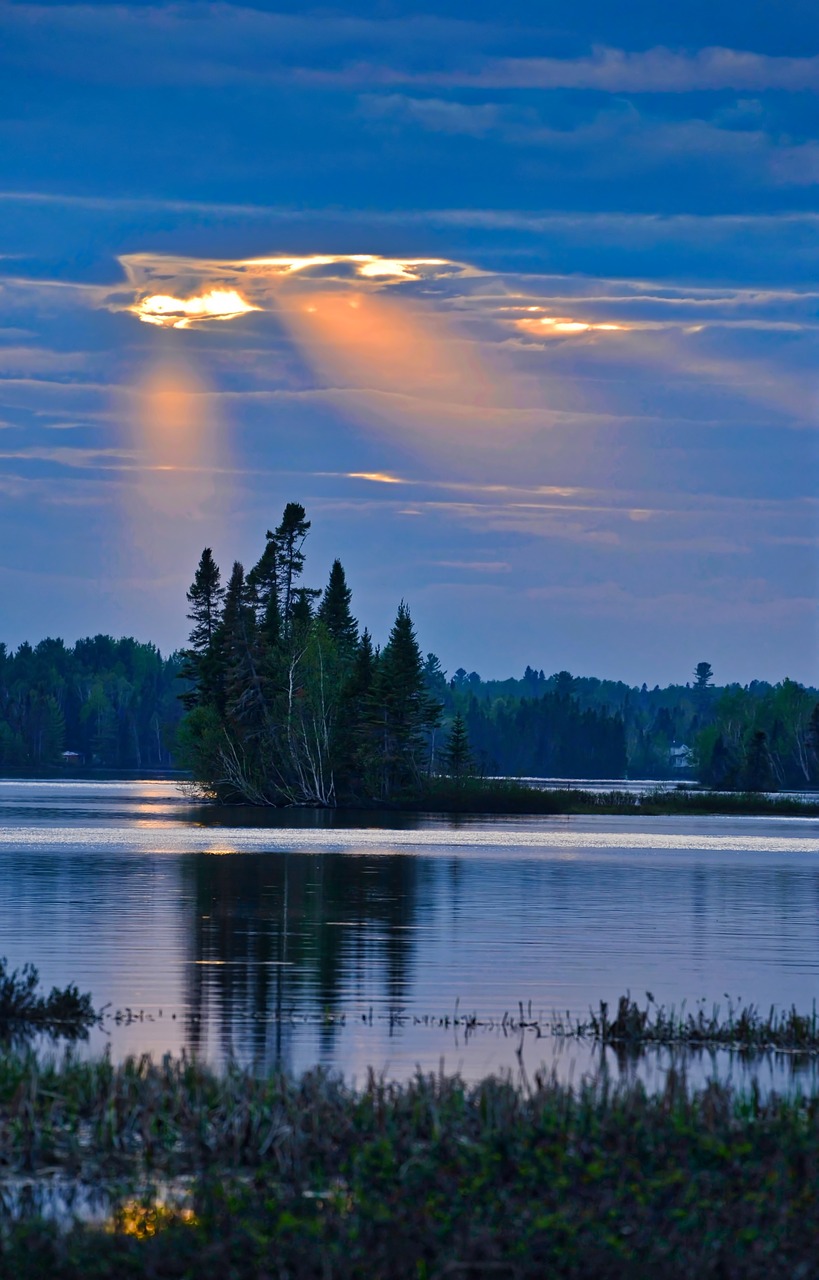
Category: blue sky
[528,321]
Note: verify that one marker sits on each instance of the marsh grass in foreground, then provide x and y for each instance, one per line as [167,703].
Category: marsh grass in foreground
[311,1178]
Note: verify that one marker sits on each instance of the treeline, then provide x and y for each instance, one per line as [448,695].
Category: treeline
[761,739]
[754,737]
[549,737]
[286,700]
[290,703]
[109,703]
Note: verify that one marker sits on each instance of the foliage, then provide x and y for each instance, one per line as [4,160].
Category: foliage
[762,739]
[743,1028]
[112,703]
[583,727]
[23,1008]
[309,1178]
[288,705]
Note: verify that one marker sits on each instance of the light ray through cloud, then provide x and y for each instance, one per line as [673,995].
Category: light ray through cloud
[180,484]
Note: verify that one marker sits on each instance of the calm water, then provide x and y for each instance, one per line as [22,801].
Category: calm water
[295,944]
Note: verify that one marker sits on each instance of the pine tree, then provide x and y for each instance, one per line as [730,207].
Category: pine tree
[334,611]
[246,693]
[289,541]
[758,771]
[458,756]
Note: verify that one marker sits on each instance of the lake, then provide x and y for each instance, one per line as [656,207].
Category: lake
[297,938]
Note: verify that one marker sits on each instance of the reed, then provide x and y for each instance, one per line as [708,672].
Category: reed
[309,1177]
[743,1027]
[23,1008]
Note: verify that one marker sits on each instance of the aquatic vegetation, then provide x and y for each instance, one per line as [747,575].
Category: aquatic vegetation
[63,1011]
[510,796]
[743,1028]
[309,1177]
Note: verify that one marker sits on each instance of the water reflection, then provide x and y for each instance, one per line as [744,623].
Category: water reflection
[293,939]
[278,935]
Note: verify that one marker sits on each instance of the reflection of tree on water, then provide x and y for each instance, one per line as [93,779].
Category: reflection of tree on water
[279,934]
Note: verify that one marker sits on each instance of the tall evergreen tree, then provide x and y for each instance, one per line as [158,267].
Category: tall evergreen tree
[758,773]
[246,692]
[204,597]
[289,542]
[301,611]
[200,665]
[404,710]
[336,614]
[263,593]
[457,753]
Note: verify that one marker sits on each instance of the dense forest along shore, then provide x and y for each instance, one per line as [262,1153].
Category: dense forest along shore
[282,699]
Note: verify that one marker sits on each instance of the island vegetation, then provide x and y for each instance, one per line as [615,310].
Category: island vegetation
[290,703]
[283,698]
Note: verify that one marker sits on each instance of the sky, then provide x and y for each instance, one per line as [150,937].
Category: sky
[521,305]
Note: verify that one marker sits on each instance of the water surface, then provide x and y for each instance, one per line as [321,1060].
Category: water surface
[292,939]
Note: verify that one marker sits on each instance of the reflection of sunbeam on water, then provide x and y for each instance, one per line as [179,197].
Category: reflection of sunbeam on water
[174,501]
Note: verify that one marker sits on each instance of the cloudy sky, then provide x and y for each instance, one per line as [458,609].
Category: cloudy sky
[524,309]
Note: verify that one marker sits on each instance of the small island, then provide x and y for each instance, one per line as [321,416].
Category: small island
[289,703]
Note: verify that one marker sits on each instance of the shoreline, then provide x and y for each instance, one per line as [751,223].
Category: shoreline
[490,798]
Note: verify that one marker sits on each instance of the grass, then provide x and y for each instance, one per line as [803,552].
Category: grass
[307,1177]
[743,1028]
[506,796]
[23,1008]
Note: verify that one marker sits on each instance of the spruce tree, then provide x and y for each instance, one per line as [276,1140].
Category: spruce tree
[301,611]
[263,594]
[457,753]
[404,711]
[200,660]
[204,598]
[334,611]
[232,640]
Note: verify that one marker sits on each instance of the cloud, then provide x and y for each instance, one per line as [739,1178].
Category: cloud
[614,141]
[656,70]
[218,44]
[433,114]
[476,566]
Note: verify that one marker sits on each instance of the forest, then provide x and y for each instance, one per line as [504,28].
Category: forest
[751,737]
[282,698]
[107,703]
